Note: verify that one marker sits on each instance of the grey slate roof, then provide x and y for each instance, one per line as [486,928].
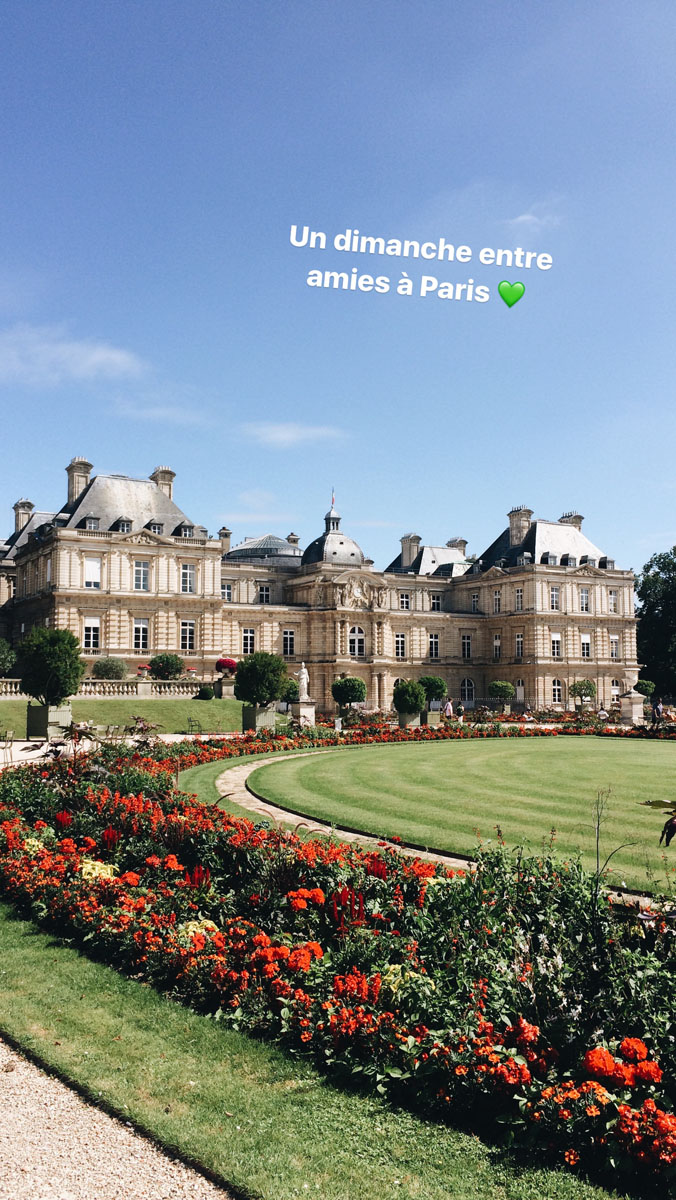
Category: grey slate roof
[551,537]
[16,540]
[140,501]
[448,561]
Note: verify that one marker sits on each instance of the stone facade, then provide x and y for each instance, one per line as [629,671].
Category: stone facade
[131,575]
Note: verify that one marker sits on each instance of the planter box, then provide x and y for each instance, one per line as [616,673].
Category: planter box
[224,689]
[257,718]
[408,719]
[46,721]
[430,718]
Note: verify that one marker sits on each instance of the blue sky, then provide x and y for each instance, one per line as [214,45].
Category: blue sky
[154,157]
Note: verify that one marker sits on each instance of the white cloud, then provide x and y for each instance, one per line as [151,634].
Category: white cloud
[163,414]
[536,220]
[45,356]
[284,434]
[258,507]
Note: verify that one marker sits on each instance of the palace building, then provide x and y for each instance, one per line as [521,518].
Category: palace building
[131,575]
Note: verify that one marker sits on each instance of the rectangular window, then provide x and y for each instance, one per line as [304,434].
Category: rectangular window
[585,645]
[187,530]
[92,523]
[466,645]
[141,634]
[614,646]
[48,575]
[475,601]
[435,601]
[497,600]
[555,599]
[556,645]
[91,633]
[289,643]
[497,646]
[405,600]
[612,601]
[156,528]
[434,645]
[187,635]
[263,594]
[400,645]
[141,576]
[124,526]
[187,577]
[518,646]
[584,599]
[92,572]
[248,641]
[518,600]
[226,592]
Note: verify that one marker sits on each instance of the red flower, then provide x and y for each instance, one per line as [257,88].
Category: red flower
[633,1050]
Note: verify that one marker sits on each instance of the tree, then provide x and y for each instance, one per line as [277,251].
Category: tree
[7,658]
[434,687]
[260,678]
[645,686]
[582,689]
[348,690]
[50,665]
[656,636]
[500,689]
[109,668]
[166,666]
[291,691]
[409,696]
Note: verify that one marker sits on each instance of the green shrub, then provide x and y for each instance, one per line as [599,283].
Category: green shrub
[50,665]
[645,686]
[260,678]
[434,687]
[206,692]
[109,668]
[349,690]
[166,666]
[291,692]
[409,696]
[7,658]
[500,689]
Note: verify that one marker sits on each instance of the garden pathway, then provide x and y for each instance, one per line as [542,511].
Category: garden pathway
[56,1146]
[233,785]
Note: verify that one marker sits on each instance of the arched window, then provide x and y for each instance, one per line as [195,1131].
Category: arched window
[467,690]
[557,691]
[357,642]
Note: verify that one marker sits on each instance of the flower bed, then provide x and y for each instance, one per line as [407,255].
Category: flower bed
[509,993]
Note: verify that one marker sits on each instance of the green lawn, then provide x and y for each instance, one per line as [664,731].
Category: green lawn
[215,716]
[265,1123]
[445,795]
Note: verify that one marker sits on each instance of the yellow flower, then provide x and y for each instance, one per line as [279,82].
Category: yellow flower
[90,868]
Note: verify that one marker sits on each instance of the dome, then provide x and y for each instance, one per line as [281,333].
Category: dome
[333,547]
[267,546]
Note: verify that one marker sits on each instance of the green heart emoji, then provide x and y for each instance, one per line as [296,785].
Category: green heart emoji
[511,292]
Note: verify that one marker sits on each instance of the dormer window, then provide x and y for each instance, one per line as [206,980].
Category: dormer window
[549,560]
[568,560]
[187,531]
[156,527]
[91,522]
[123,525]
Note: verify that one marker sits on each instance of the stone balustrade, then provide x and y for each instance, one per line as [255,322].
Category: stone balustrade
[97,689]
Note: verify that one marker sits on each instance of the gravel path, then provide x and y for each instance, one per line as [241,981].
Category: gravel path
[55,1146]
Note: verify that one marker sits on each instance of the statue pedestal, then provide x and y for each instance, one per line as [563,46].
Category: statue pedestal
[304,711]
[632,708]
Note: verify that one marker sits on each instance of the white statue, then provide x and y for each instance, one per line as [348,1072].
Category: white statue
[303,677]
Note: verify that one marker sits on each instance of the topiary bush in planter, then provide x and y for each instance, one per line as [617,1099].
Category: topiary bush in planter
[409,700]
[109,668]
[51,670]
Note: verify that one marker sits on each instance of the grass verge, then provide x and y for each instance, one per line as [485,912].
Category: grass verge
[261,1122]
[215,716]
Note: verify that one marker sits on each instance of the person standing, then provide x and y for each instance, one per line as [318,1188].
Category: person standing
[448,709]
[460,712]
[657,712]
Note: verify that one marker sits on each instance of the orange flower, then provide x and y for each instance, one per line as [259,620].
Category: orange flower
[572,1157]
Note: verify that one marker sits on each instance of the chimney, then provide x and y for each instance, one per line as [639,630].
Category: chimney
[293,539]
[78,472]
[164,478]
[22,514]
[225,535]
[457,543]
[571,518]
[409,549]
[519,523]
